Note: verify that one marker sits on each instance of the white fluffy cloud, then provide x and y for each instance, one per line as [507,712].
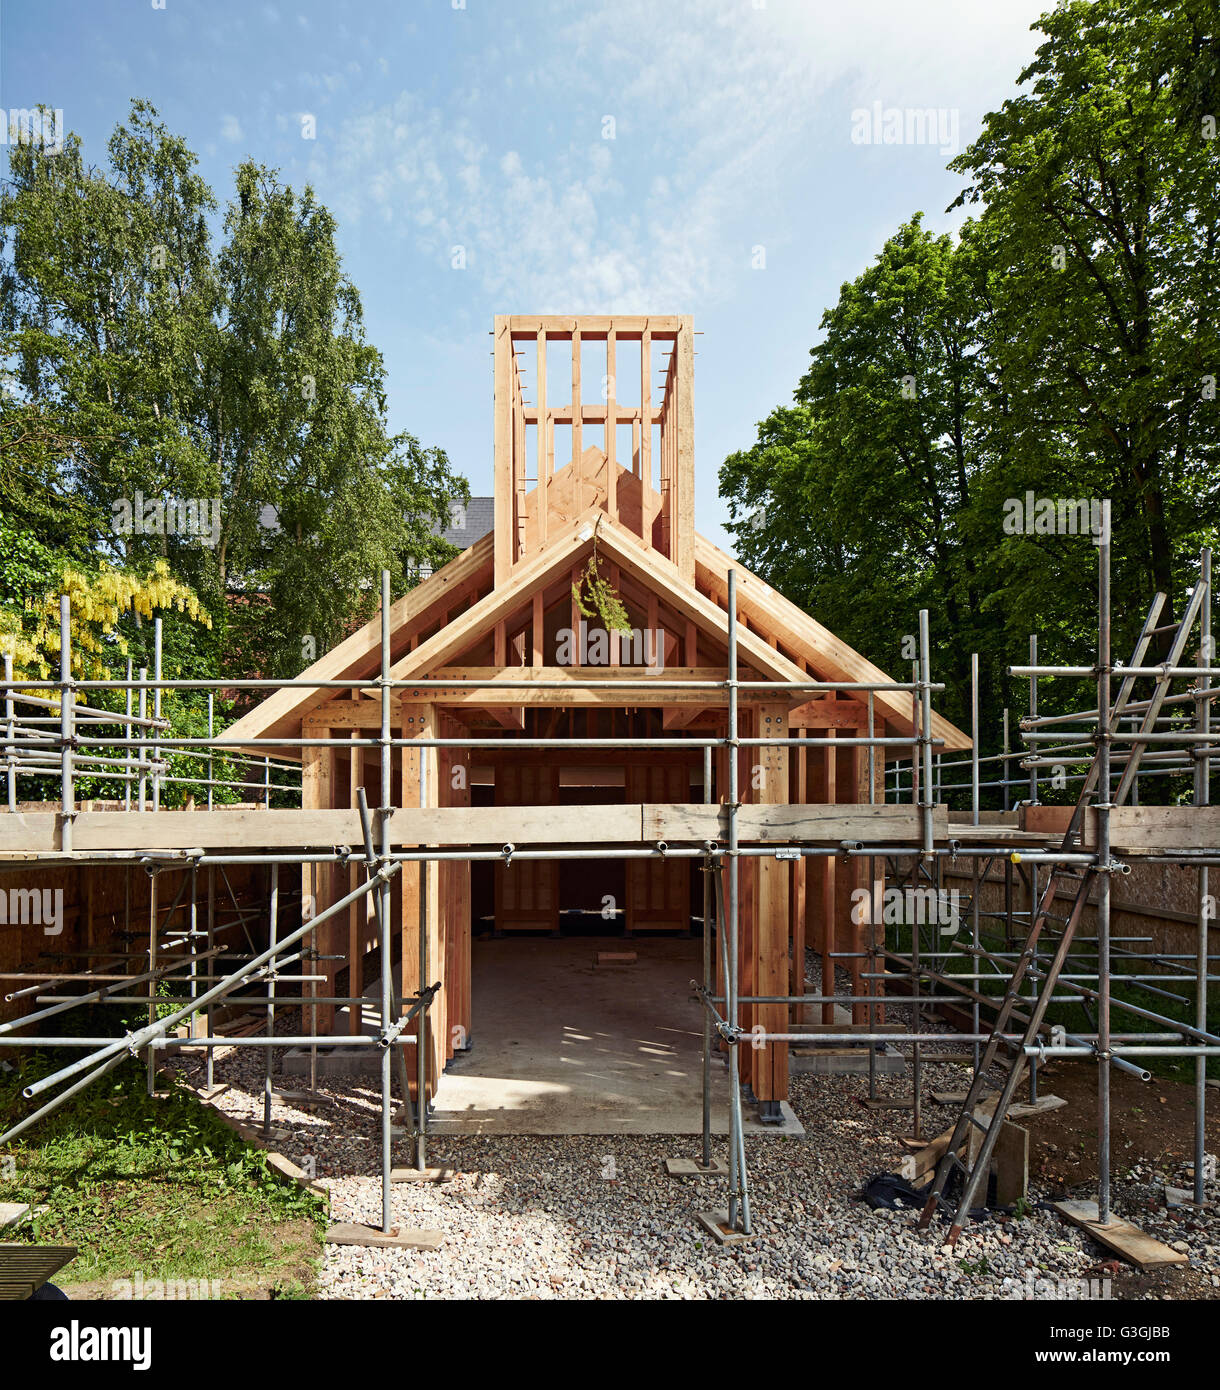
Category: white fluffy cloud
[721,110]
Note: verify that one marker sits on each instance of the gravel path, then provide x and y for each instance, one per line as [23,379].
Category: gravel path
[597,1217]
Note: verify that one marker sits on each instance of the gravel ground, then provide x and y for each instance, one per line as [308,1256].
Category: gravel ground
[597,1217]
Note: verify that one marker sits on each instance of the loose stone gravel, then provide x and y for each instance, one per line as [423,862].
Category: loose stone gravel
[597,1217]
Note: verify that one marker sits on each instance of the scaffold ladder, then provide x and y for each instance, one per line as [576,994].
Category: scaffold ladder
[975,1170]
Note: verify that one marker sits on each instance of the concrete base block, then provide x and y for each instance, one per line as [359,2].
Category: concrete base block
[333,1061]
[843,1061]
[12,1213]
[1174,1197]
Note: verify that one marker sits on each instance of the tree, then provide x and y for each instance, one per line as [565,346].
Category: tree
[858,501]
[1064,346]
[1102,217]
[294,404]
[101,602]
[233,386]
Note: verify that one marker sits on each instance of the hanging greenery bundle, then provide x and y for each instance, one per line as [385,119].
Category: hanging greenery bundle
[596,597]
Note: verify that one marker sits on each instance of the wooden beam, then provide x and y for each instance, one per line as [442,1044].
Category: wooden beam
[504,530]
[772,916]
[40,832]
[829,656]
[543,440]
[595,326]
[682,500]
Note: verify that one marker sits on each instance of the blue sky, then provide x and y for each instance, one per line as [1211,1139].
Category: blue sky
[484,124]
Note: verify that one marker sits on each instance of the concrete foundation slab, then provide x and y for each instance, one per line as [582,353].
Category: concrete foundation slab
[565,1047]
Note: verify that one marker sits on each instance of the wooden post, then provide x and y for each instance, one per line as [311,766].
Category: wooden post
[830,877]
[852,787]
[799,788]
[682,485]
[577,415]
[311,800]
[645,469]
[421,890]
[505,530]
[770,1063]
[357,913]
[518,460]
[610,394]
[543,436]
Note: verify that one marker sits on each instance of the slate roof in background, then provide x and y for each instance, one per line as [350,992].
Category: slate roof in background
[478,520]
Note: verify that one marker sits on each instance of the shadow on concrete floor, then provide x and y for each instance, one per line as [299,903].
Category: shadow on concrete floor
[561,1045]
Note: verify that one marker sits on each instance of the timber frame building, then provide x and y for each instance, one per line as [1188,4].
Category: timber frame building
[566,733]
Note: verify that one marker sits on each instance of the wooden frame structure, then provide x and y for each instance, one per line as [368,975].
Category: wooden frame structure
[546,693]
[727,729]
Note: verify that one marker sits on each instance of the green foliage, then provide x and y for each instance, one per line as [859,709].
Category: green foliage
[1065,344]
[596,597]
[154,1184]
[148,361]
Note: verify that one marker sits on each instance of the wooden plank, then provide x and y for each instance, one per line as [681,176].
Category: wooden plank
[817,824]
[920,1165]
[462,825]
[1165,827]
[772,916]
[403,1237]
[503,531]
[829,656]
[1120,1236]
[626,681]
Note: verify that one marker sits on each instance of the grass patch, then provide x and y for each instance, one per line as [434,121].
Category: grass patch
[155,1185]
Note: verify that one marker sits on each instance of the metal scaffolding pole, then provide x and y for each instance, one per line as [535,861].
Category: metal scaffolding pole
[1205,914]
[31,746]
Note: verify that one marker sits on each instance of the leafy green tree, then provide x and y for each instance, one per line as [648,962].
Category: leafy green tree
[150,364]
[1101,191]
[857,501]
[1064,345]
[322,496]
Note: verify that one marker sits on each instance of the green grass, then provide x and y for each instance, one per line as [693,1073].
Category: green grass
[154,1185]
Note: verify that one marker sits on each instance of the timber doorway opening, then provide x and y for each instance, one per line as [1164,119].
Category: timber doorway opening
[582,1016]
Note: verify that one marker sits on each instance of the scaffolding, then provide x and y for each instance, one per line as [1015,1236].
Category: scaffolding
[69,738]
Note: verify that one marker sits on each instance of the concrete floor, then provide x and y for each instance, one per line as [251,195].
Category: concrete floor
[563,1046]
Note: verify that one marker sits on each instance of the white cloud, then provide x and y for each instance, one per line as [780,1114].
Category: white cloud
[721,111]
[230,129]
